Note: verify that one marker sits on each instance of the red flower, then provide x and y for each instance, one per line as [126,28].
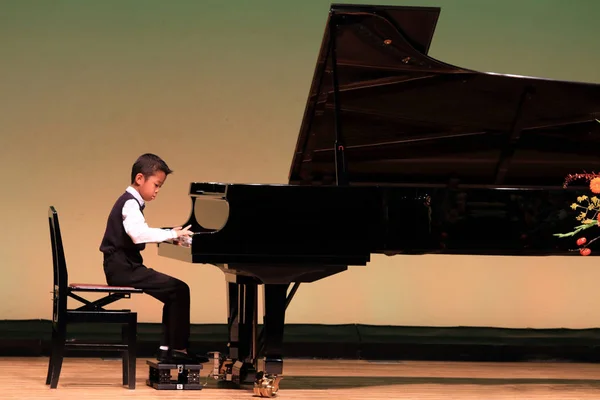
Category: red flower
[595,185]
[581,241]
[585,251]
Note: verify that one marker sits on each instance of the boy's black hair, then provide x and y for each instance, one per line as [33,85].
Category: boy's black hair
[148,164]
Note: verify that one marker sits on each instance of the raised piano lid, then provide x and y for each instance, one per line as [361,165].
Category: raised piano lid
[407,118]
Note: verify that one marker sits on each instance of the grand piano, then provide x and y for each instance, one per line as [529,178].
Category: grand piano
[397,153]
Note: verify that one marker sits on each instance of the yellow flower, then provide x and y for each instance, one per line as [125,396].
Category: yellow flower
[574,206]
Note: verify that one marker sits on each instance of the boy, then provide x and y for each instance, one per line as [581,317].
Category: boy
[126,236]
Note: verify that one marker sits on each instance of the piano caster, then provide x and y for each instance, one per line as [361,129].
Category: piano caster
[266,385]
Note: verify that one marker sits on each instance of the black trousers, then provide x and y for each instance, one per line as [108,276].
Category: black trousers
[125,270]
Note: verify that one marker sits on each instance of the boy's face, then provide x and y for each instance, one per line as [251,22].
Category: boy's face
[148,188]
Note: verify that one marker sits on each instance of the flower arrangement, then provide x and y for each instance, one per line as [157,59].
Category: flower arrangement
[588,205]
[590,211]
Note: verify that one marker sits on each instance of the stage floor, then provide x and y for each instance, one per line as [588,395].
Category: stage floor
[93,378]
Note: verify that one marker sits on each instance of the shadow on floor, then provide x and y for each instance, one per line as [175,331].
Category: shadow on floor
[347,382]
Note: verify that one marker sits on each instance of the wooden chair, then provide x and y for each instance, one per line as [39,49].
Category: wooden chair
[89,312]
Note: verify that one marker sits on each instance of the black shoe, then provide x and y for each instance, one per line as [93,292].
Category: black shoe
[199,359]
[162,355]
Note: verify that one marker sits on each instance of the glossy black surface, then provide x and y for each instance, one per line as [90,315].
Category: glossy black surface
[291,224]
[302,229]
[408,118]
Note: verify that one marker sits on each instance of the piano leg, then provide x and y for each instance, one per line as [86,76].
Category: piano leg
[242,323]
[275,299]
[240,366]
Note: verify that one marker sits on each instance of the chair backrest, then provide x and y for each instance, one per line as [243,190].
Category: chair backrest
[59,263]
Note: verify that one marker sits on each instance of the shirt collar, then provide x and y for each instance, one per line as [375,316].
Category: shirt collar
[136,194]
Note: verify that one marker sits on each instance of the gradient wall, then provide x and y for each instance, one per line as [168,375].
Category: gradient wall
[218,89]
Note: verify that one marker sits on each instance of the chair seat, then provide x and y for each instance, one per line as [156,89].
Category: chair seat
[85,287]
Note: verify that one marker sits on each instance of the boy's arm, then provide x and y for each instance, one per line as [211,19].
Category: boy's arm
[136,227]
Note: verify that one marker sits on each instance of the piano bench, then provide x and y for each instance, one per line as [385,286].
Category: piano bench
[160,376]
[86,287]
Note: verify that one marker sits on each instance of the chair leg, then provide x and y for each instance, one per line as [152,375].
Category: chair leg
[58,351]
[124,356]
[50,363]
[129,337]
[132,349]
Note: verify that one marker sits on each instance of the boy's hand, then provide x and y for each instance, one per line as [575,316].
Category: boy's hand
[183,231]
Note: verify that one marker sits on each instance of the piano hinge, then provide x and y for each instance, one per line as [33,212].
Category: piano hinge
[341,164]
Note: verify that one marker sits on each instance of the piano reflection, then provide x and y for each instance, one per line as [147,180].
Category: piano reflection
[397,153]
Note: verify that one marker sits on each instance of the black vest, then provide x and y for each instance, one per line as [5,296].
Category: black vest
[115,238]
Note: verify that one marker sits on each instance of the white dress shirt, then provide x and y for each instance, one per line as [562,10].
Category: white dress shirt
[136,226]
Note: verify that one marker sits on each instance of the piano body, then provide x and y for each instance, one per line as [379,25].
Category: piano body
[398,153]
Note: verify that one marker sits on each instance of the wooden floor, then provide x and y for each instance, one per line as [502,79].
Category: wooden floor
[24,378]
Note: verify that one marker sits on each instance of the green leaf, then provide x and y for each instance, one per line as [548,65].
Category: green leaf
[576,231]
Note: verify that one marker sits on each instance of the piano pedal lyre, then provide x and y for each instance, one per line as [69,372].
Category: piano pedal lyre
[222,367]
